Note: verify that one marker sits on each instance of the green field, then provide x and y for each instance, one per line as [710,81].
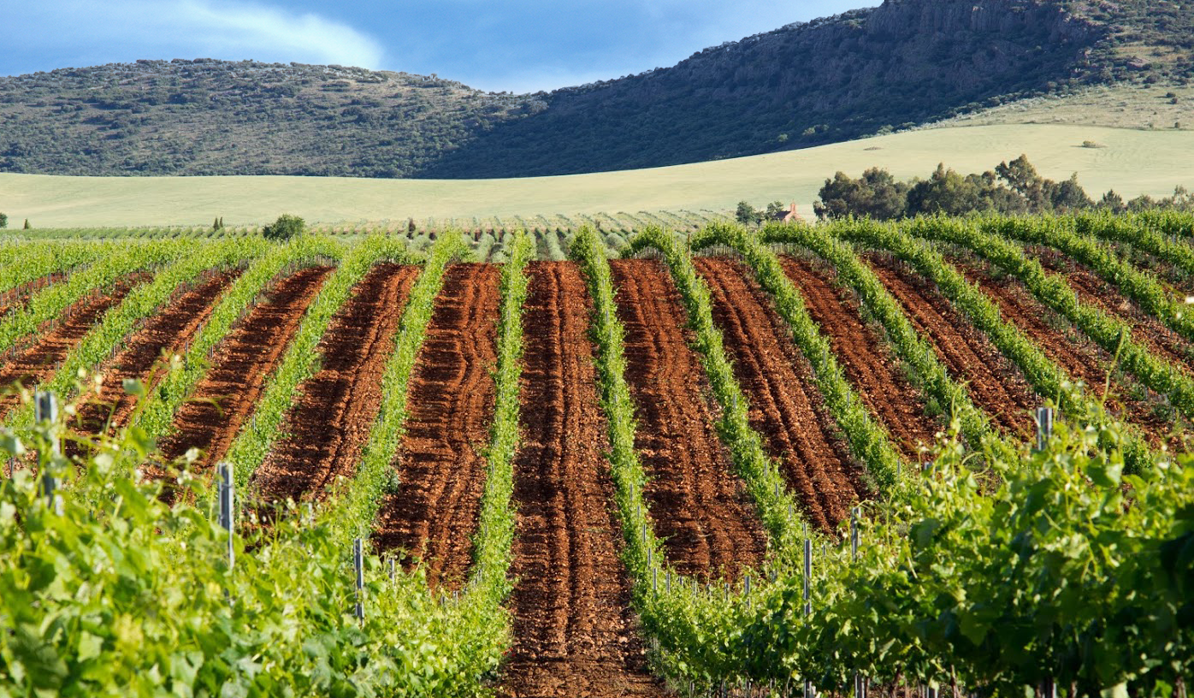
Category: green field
[1132,162]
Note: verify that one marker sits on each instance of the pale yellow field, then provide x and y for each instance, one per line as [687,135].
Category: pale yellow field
[1133,162]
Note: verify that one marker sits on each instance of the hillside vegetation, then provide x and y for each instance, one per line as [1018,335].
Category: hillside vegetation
[905,63]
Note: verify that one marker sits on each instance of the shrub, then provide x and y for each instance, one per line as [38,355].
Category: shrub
[285,228]
[3,220]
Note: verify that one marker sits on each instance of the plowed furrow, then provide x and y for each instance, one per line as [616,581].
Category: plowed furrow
[785,406]
[167,332]
[38,362]
[995,384]
[863,353]
[572,625]
[222,401]
[1093,290]
[1078,356]
[450,403]
[329,422]
[697,502]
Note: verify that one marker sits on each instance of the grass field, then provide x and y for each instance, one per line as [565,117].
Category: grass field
[1132,162]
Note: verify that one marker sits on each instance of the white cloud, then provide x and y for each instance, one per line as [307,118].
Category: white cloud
[202,29]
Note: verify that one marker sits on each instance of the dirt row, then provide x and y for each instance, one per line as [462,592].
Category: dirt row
[38,362]
[866,357]
[573,630]
[19,297]
[1094,290]
[700,507]
[1075,353]
[144,356]
[995,384]
[329,421]
[210,419]
[450,401]
[785,406]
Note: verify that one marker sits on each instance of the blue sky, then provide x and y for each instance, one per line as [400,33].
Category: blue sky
[515,45]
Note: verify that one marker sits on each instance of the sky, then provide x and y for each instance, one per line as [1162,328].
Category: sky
[496,45]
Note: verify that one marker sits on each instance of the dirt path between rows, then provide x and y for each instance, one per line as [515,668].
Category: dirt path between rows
[698,503]
[574,633]
[996,385]
[16,298]
[1094,290]
[175,325]
[868,360]
[329,422]
[450,402]
[785,406]
[38,362]
[1080,357]
[211,418]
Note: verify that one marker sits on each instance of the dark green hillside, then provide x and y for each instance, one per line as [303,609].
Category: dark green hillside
[906,62]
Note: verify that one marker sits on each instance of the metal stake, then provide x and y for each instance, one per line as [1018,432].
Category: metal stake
[1044,426]
[358,562]
[224,472]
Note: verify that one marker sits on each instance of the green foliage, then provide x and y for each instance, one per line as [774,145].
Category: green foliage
[747,214]
[285,228]
[876,194]
[121,595]
[3,220]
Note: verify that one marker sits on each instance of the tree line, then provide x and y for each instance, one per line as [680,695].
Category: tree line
[1012,188]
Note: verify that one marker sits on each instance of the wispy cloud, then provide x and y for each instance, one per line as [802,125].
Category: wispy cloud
[193,28]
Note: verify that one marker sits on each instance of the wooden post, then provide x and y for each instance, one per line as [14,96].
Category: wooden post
[1044,426]
[224,473]
[46,410]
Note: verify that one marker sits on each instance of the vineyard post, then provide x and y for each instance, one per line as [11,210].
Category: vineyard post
[809,692]
[358,564]
[1044,426]
[225,496]
[46,410]
[859,681]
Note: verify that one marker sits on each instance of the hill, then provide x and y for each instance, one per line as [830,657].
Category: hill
[1133,162]
[903,64]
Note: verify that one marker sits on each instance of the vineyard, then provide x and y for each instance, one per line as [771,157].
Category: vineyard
[667,457]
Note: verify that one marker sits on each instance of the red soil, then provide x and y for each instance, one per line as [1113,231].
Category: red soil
[38,362]
[441,464]
[995,384]
[573,628]
[224,399]
[142,357]
[699,505]
[333,412]
[785,406]
[1081,358]
[865,356]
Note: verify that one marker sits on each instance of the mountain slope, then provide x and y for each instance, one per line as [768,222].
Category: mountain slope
[904,63]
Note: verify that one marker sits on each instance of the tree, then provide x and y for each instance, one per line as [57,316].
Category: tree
[3,220]
[875,194]
[410,226]
[775,209]
[746,214]
[27,226]
[285,228]
[1113,202]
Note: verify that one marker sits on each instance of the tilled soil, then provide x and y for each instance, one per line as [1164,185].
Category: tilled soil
[574,633]
[866,357]
[785,406]
[699,505]
[995,384]
[451,400]
[38,362]
[1081,358]
[1094,290]
[222,401]
[329,422]
[142,358]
